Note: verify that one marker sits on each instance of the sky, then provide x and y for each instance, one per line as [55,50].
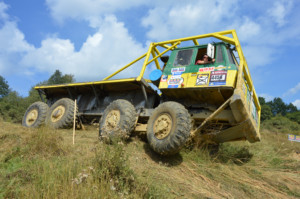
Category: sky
[93,38]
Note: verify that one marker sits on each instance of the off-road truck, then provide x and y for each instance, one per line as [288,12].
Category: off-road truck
[214,102]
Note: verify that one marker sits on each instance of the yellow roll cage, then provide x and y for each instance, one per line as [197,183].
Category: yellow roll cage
[171,44]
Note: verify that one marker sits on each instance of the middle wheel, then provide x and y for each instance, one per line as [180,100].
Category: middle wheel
[61,114]
[168,128]
[118,119]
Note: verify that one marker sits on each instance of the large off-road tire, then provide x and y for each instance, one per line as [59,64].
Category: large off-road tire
[35,114]
[61,114]
[118,120]
[169,128]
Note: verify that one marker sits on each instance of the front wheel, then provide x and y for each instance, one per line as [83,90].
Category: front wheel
[169,128]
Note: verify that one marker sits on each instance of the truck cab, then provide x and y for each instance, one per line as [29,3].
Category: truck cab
[207,83]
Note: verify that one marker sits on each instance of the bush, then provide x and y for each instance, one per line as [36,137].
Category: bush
[280,124]
[112,166]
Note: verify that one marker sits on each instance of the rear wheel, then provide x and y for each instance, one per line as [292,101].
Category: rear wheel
[61,114]
[35,114]
[169,128]
[118,120]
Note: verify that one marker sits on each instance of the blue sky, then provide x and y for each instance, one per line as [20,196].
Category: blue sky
[93,38]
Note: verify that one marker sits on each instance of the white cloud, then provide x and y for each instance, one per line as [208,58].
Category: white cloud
[258,55]
[186,18]
[279,11]
[293,91]
[297,103]
[3,8]
[260,37]
[110,48]
[247,29]
[90,10]
[107,50]
[13,47]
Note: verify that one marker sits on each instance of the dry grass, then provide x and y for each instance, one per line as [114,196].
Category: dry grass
[43,163]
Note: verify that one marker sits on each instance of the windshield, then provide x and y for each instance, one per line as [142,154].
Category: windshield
[183,57]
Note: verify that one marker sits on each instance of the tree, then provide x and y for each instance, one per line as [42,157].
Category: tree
[4,88]
[278,106]
[294,116]
[58,78]
[261,100]
[291,108]
[266,112]
[12,107]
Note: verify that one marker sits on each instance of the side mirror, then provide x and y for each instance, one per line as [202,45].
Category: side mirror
[211,51]
[164,58]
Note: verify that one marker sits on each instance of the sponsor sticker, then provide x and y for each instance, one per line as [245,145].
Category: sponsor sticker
[206,69]
[220,67]
[254,112]
[175,80]
[164,78]
[202,79]
[294,138]
[174,70]
[218,78]
[172,86]
[176,73]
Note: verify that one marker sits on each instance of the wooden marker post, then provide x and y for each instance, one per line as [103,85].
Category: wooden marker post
[74,123]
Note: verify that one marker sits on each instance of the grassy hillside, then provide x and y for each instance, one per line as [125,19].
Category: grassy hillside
[43,163]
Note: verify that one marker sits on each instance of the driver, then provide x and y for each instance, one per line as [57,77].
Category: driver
[205,60]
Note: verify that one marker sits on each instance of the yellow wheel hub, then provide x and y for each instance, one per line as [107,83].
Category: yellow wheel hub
[112,119]
[162,126]
[32,117]
[57,113]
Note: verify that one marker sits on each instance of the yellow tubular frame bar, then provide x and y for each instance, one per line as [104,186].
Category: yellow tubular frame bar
[171,44]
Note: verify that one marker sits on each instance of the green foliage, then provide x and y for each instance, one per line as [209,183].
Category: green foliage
[41,164]
[13,106]
[291,108]
[281,124]
[231,154]
[266,112]
[58,78]
[294,116]
[277,106]
[112,166]
[4,88]
[261,100]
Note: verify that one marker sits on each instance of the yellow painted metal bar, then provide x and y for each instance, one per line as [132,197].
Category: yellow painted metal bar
[86,83]
[156,50]
[243,68]
[159,55]
[145,63]
[173,44]
[195,37]
[156,61]
[196,42]
[164,45]
[123,68]
[225,32]
[224,38]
